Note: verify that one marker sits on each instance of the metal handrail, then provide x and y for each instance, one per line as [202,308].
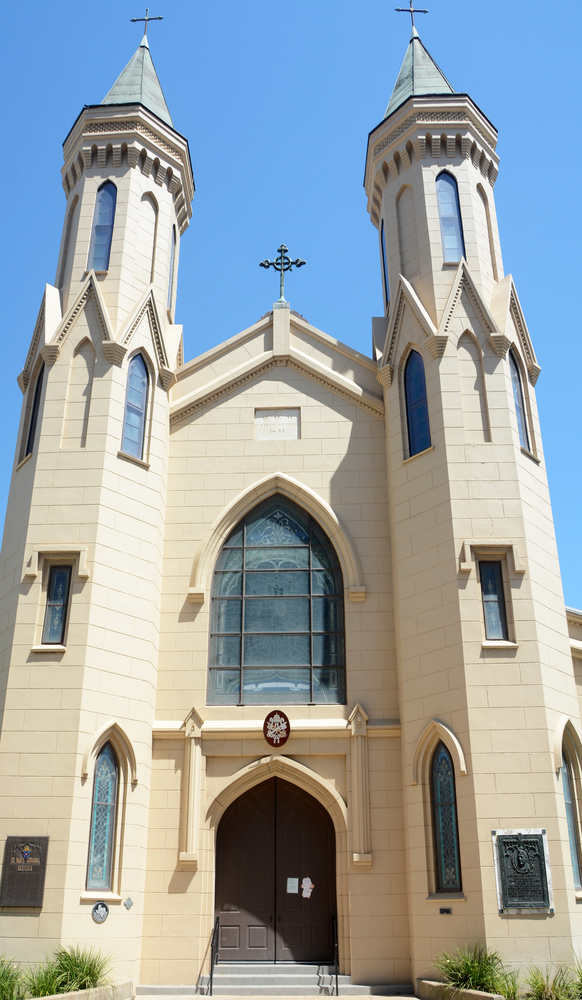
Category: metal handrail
[213,954]
[335,953]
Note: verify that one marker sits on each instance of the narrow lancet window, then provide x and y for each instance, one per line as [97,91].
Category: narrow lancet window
[171,269]
[493,600]
[101,235]
[450,219]
[57,602]
[445,827]
[277,624]
[572,819]
[102,838]
[384,265]
[34,412]
[519,402]
[135,408]
[416,404]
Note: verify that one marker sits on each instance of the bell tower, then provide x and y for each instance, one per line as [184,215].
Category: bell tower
[482,642]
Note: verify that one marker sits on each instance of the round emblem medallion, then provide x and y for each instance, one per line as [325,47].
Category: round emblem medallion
[100,912]
[276,728]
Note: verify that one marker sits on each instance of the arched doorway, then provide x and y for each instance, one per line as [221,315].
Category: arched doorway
[271,839]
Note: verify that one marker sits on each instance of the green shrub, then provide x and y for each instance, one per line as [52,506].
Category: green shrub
[70,969]
[509,984]
[474,968]
[11,980]
[547,985]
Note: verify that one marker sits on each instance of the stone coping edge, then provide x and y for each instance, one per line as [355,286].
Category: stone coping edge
[117,991]
[428,989]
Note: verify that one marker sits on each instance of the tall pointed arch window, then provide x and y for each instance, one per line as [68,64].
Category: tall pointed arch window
[450,218]
[136,401]
[416,404]
[277,622]
[102,232]
[445,827]
[569,786]
[34,411]
[171,268]
[519,402]
[103,819]
[384,265]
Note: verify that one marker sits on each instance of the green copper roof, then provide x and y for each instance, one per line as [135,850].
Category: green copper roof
[139,84]
[419,74]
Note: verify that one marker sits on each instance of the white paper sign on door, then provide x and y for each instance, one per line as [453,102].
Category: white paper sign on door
[292,885]
[307,886]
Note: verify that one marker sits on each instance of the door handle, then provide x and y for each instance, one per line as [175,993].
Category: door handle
[271,919]
[279,918]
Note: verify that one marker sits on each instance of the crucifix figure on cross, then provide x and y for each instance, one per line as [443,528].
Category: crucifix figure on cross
[411,10]
[147,19]
[282,263]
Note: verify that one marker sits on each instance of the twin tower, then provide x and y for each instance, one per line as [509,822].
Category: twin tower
[282,527]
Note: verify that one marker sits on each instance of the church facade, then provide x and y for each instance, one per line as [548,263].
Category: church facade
[283,637]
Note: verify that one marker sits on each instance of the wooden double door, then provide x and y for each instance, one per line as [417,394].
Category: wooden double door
[272,842]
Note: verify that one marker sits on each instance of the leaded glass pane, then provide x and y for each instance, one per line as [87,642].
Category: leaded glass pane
[571,820]
[450,218]
[34,411]
[287,631]
[493,600]
[519,404]
[103,820]
[416,404]
[53,632]
[273,685]
[276,584]
[103,219]
[135,408]
[445,821]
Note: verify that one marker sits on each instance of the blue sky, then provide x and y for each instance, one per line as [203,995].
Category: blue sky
[277,100]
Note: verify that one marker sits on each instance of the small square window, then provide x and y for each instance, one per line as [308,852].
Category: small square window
[494,610]
[57,603]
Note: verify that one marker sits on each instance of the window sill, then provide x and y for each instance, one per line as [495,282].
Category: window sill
[24,461]
[531,455]
[94,896]
[418,454]
[578,895]
[438,897]
[451,263]
[132,458]
[48,647]
[99,274]
[498,644]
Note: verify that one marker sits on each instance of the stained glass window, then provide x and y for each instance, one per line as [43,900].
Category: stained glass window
[277,625]
[572,819]
[450,218]
[416,404]
[135,407]
[34,412]
[102,233]
[519,403]
[444,808]
[493,600]
[172,261]
[55,617]
[103,820]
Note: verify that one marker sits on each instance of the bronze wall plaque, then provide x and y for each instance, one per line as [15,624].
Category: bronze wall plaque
[23,871]
[522,871]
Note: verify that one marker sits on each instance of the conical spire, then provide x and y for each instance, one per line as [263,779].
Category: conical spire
[139,84]
[419,74]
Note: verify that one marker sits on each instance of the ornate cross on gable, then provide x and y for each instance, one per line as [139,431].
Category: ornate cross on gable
[282,263]
[411,10]
[147,19]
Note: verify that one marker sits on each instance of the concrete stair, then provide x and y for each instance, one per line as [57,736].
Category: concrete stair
[285,980]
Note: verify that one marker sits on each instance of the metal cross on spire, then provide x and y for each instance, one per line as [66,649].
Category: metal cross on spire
[147,19]
[282,263]
[411,10]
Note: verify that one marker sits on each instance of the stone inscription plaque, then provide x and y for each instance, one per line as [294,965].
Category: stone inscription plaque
[23,871]
[522,871]
[278,425]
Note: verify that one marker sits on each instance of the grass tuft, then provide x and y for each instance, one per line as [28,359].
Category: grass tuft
[474,968]
[11,980]
[551,984]
[70,969]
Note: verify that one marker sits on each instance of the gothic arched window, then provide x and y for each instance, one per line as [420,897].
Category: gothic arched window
[450,218]
[34,413]
[136,401]
[571,816]
[416,404]
[103,817]
[519,402]
[171,269]
[277,625]
[445,829]
[384,265]
[102,232]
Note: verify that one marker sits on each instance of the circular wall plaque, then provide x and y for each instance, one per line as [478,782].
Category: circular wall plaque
[100,912]
[276,728]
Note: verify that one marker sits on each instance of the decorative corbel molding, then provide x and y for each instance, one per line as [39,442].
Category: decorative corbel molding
[436,346]
[50,353]
[113,351]
[34,561]
[491,547]
[361,832]
[167,378]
